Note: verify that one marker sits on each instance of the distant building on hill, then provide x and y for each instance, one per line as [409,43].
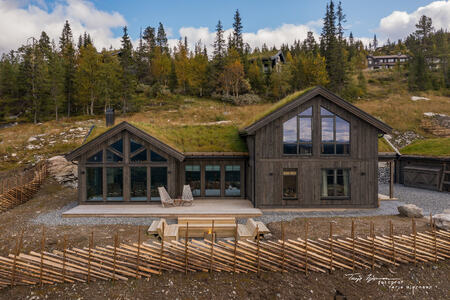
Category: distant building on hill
[385,61]
[271,60]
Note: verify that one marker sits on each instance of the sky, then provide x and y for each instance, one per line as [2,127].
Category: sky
[270,22]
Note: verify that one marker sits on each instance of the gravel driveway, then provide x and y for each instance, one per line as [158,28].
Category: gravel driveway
[431,201]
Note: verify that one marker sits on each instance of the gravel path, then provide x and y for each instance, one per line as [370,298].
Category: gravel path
[430,201]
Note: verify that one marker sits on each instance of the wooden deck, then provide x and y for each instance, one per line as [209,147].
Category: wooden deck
[210,208]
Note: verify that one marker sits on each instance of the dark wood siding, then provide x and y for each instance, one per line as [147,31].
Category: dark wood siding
[270,162]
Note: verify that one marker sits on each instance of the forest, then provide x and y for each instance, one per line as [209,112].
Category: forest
[46,79]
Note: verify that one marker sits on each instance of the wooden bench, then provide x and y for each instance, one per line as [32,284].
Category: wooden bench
[170,231]
[199,226]
[248,231]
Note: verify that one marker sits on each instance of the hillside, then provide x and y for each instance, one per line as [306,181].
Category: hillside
[386,99]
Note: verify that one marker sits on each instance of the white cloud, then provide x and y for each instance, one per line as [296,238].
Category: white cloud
[20,20]
[399,24]
[286,33]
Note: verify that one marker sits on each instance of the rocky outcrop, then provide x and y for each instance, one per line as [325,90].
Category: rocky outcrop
[410,211]
[442,221]
[63,171]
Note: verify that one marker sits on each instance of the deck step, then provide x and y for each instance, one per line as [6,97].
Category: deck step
[206,220]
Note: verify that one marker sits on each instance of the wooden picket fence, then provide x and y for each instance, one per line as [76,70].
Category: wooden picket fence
[19,188]
[121,261]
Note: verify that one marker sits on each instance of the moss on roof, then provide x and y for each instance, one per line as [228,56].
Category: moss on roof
[429,147]
[261,55]
[384,146]
[274,107]
[191,138]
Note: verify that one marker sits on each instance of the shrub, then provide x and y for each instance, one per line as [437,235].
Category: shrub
[244,99]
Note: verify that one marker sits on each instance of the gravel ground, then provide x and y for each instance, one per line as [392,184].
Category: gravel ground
[430,201]
[54,218]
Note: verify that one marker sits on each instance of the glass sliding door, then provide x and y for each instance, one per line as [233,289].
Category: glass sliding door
[94,183]
[212,180]
[193,179]
[158,178]
[114,184]
[233,181]
[138,191]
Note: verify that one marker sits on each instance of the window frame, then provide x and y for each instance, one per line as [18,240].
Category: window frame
[126,164]
[298,117]
[296,184]
[348,197]
[334,142]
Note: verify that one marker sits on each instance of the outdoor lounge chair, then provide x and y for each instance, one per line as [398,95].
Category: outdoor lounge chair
[165,197]
[187,197]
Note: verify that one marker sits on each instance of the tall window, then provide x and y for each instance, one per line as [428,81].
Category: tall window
[233,181]
[290,184]
[297,133]
[158,178]
[138,191]
[94,183]
[335,133]
[335,183]
[212,180]
[193,178]
[114,184]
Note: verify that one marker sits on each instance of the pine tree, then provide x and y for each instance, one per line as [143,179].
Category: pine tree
[237,40]
[56,77]
[219,46]
[375,43]
[68,54]
[126,62]
[161,39]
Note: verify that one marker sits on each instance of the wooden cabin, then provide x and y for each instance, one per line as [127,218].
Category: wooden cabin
[385,61]
[312,149]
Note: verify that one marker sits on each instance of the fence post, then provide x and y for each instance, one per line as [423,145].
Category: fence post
[435,243]
[372,230]
[91,242]
[116,239]
[42,255]
[186,248]
[138,252]
[414,236]
[331,246]
[283,250]
[258,251]
[306,247]
[391,230]
[212,248]
[235,247]
[353,245]
[162,248]
[64,259]
[18,249]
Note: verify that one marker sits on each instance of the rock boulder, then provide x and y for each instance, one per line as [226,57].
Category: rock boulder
[442,221]
[64,172]
[410,211]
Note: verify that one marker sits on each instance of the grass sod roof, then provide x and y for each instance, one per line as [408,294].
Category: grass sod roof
[384,146]
[190,138]
[429,147]
[288,99]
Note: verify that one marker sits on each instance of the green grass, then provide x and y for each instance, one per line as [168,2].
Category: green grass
[191,138]
[383,146]
[429,147]
[275,107]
